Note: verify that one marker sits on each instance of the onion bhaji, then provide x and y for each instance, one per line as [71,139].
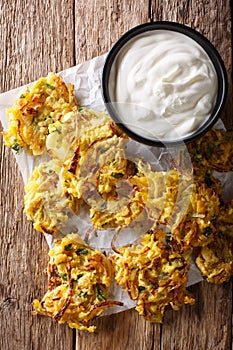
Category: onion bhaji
[213,150]
[215,260]
[100,173]
[198,225]
[225,219]
[64,134]
[154,274]
[78,282]
[46,205]
[40,105]
[168,196]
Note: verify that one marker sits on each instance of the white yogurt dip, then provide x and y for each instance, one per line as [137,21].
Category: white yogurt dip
[164,85]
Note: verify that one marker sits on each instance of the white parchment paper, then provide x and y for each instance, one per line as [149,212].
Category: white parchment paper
[86,78]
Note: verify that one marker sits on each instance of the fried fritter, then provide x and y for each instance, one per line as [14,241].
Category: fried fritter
[225,219]
[98,173]
[44,103]
[198,226]
[215,260]
[45,203]
[79,279]
[213,150]
[65,133]
[121,211]
[153,274]
[168,197]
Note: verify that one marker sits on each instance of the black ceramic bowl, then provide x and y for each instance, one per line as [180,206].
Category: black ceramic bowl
[213,56]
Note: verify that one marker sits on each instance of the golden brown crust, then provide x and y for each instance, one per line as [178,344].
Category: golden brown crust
[213,150]
[154,274]
[45,102]
[78,282]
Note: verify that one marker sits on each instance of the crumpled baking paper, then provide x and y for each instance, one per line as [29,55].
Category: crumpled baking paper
[86,78]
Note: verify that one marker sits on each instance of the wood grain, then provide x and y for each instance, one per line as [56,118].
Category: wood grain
[105,21]
[204,326]
[42,36]
[36,37]
[126,330]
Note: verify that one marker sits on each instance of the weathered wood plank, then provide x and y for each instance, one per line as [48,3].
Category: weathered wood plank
[98,24]
[36,37]
[207,325]
[126,330]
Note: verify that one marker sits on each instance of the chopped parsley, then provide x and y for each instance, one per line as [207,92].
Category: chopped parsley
[83,251]
[100,294]
[68,247]
[141,289]
[50,86]
[117,175]
[163,274]
[16,147]
[82,294]
[35,120]
[63,276]
[101,177]
[209,151]
[22,96]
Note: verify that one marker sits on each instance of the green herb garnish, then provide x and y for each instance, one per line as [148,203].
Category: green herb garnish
[63,276]
[83,251]
[209,151]
[68,247]
[141,289]
[22,96]
[16,147]
[117,175]
[35,120]
[82,294]
[50,86]
[163,274]
[100,294]
[80,109]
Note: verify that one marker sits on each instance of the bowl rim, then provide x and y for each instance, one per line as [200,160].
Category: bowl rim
[210,50]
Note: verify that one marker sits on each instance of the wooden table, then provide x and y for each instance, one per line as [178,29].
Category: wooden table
[42,36]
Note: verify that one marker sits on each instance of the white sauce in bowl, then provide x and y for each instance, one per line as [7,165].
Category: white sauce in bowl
[164,85]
